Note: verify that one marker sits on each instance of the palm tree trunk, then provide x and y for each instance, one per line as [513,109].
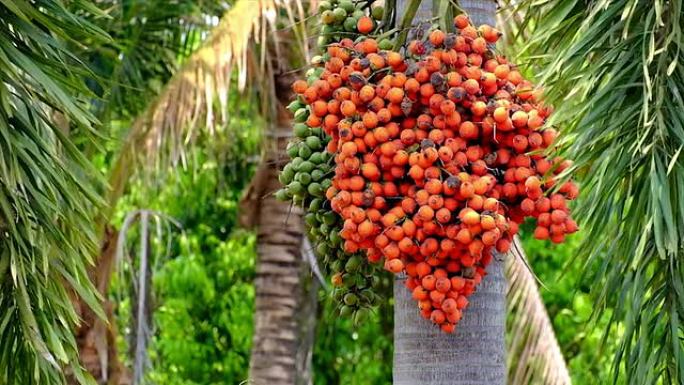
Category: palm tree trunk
[279,355]
[475,353]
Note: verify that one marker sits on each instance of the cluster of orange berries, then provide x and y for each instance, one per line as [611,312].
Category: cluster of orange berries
[439,156]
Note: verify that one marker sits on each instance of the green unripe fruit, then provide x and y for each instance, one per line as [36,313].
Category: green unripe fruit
[329,218]
[316,203]
[347,5]
[353,264]
[323,166]
[317,175]
[385,44]
[301,130]
[378,13]
[361,316]
[292,149]
[322,249]
[310,219]
[304,151]
[360,281]
[305,166]
[314,142]
[357,14]
[328,17]
[286,176]
[351,299]
[323,228]
[294,106]
[340,14]
[295,163]
[322,43]
[304,178]
[367,295]
[350,24]
[335,238]
[315,188]
[295,188]
[317,131]
[326,156]
[324,6]
[345,311]
[338,294]
[301,115]
[316,158]
[348,280]
[336,265]
[326,30]
[326,184]
[282,195]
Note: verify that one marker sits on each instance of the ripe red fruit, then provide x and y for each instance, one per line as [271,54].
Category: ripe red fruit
[541,232]
[365,25]
[461,21]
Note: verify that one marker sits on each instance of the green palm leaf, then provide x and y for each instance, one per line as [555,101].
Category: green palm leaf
[47,189]
[613,69]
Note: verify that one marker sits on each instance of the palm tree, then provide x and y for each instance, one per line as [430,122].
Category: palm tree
[614,70]
[279,268]
[187,102]
[48,202]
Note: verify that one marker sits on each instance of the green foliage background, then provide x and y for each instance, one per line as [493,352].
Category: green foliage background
[203,290]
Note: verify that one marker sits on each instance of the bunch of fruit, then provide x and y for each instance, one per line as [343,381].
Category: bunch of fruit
[309,173]
[347,19]
[440,151]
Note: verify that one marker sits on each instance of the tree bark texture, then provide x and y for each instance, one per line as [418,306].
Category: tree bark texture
[277,291]
[282,304]
[475,353]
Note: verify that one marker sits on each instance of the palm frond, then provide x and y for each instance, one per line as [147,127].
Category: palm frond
[614,70]
[196,97]
[534,356]
[48,190]
[148,38]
